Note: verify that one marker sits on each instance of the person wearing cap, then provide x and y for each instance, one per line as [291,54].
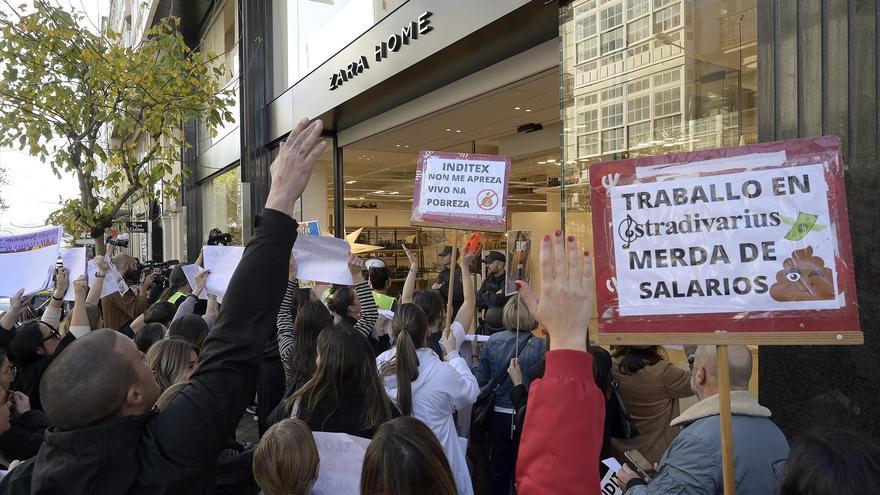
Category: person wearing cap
[491,293]
[442,283]
[380,281]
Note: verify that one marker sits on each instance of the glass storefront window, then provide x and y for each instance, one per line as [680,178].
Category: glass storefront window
[306,33]
[221,205]
[220,42]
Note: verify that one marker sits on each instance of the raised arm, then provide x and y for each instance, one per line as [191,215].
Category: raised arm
[409,286]
[284,321]
[18,304]
[557,455]
[465,316]
[369,310]
[190,433]
[79,319]
[189,304]
[98,285]
[52,314]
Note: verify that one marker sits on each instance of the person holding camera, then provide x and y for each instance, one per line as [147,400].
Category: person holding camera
[119,308]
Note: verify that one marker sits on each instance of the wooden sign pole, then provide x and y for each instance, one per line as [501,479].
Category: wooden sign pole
[726,421]
[451,287]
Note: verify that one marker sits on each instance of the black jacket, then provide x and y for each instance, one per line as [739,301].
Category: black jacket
[176,451]
[342,416]
[27,381]
[25,435]
[457,293]
[488,295]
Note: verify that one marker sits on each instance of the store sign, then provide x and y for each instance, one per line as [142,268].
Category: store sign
[395,41]
[750,233]
[137,227]
[461,190]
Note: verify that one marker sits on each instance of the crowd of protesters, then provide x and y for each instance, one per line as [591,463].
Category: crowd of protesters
[142,392]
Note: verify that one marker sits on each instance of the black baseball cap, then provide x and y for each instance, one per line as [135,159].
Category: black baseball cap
[494,256]
[447,250]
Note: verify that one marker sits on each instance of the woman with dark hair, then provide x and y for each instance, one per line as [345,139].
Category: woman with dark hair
[379,277]
[650,386]
[403,458]
[178,287]
[345,394]
[424,386]
[294,299]
[25,434]
[149,335]
[191,328]
[354,306]
[832,462]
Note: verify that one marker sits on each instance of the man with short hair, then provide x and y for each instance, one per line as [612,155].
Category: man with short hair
[119,309]
[692,463]
[100,394]
[491,293]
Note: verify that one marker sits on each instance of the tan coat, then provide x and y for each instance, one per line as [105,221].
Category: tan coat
[651,396]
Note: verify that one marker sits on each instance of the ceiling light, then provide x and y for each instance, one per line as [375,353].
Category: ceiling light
[542,162]
[458,130]
[528,109]
[378,192]
[394,192]
[551,161]
[351,182]
[447,130]
[397,145]
[516,108]
[406,146]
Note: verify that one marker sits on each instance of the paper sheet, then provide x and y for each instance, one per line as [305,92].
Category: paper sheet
[74,259]
[342,457]
[113,282]
[321,258]
[27,261]
[190,272]
[222,261]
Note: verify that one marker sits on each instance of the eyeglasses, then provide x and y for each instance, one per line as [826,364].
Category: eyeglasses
[10,371]
[53,334]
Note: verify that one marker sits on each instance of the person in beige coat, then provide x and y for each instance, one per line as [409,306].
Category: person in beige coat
[650,386]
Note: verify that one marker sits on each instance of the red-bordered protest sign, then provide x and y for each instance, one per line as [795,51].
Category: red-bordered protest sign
[461,191]
[738,245]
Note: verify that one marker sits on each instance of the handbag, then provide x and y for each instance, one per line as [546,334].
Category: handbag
[620,422]
[485,403]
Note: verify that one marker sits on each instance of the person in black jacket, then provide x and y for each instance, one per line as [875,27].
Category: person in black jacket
[442,283]
[25,434]
[491,293]
[99,393]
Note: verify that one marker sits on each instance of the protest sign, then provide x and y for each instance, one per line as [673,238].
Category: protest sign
[222,261]
[312,227]
[751,240]
[27,261]
[190,272]
[608,485]
[519,247]
[113,281]
[461,191]
[322,258]
[74,259]
[342,458]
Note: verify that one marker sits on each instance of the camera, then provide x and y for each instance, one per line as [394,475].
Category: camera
[162,269]
[218,238]
[120,240]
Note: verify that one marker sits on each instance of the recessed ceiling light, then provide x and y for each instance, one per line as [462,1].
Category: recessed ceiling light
[394,192]
[397,145]
[378,192]
[406,146]
[351,182]
[516,108]
[447,130]
[528,109]
[542,162]
[458,130]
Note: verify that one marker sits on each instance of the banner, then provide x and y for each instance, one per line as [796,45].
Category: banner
[753,238]
[27,261]
[461,190]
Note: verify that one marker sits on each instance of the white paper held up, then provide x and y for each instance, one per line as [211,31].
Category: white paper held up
[27,261]
[321,258]
[113,282]
[342,458]
[190,272]
[74,259]
[222,261]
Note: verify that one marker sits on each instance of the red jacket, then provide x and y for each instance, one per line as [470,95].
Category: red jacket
[562,435]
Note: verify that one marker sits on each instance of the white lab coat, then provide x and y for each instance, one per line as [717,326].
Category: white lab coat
[441,389]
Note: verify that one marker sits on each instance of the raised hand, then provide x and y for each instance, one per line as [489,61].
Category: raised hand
[81,288]
[292,167]
[566,283]
[356,267]
[413,259]
[213,307]
[466,260]
[515,372]
[201,281]
[62,281]
[18,303]
[103,265]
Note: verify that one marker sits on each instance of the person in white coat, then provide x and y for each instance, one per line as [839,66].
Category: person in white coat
[428,388]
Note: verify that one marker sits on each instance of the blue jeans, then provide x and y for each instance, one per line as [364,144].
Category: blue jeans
[502,454]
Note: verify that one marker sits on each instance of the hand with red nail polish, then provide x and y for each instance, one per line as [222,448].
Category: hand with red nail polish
[566,283]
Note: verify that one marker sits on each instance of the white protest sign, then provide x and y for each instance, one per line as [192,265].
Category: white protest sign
[222,261]
[27,261]
[190,272]
[608,484]
[322,258]
[460,190]
[74,259]
[113,281]
[761,240]
[342,458]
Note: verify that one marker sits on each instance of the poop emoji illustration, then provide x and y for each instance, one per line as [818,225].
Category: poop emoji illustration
[803,277]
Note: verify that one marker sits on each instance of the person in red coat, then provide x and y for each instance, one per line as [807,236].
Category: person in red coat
[564,425]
